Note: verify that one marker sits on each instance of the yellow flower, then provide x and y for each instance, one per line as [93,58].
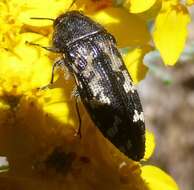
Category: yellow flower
[157,179]
[128,29]
[170,25]
[134,63]
[170,31]
[138,6]
[38,127]
[150,145]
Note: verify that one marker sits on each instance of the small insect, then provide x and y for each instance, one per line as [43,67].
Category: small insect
[103,82]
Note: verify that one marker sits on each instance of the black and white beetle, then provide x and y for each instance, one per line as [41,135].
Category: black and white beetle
[103,82]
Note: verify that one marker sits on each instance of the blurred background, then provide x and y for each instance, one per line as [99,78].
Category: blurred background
[167,95]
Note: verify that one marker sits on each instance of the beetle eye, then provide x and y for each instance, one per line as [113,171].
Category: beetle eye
[58,20]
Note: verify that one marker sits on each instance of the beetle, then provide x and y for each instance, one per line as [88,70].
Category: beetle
[103,81]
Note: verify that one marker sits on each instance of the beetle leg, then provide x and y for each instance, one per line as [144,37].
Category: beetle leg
[75,92]
[58,63]
[79,117]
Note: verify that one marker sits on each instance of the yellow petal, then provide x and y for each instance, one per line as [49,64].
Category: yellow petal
[134,62]
[10,26]
[42,9]
[138,6]
[151,13]
[57,103]
[190,2]
[150,145]
[158,179]
[170,31]
[91,6]
[127,28]
[32,62]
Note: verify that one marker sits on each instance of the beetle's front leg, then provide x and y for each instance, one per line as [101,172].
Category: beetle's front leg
[59,63]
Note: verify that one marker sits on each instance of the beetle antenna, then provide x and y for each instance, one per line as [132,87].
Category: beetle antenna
[73,2]
[40,18]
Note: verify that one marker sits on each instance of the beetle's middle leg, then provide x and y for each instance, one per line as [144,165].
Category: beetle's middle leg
[79,116]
